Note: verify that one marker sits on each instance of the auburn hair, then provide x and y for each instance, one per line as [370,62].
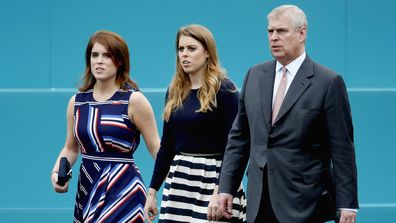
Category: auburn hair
[118,49]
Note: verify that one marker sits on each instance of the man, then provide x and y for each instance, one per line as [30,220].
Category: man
[294,123]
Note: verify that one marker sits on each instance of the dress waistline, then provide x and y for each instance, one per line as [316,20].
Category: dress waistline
[108,158]
[201,154]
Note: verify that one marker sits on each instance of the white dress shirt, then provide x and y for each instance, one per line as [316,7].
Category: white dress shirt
[291,71]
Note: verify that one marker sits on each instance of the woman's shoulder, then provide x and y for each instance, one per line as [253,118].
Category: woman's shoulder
[227,86]
[136,98]
[126,92]
[82,96]
[128,88]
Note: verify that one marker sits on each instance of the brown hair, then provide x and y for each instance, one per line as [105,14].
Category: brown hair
[214,74]
[118,49]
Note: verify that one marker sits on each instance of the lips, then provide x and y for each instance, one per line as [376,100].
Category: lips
[185,62]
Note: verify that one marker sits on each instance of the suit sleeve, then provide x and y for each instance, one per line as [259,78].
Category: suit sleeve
[236,154]
[341,144]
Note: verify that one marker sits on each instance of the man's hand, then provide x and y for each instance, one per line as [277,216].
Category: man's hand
[225,205]
[213,214]
[347,216]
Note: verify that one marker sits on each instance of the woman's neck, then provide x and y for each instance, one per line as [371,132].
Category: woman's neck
[196,80]
[104,91]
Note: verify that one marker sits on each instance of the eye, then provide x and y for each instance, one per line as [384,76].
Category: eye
[191,48]
[180,49]
[107,55]
[94,54]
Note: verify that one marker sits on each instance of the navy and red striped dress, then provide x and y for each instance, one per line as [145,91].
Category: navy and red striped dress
[110,187]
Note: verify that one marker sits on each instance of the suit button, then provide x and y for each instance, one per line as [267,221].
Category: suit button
[274,126]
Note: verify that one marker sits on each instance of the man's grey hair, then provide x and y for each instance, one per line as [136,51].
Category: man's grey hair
[293,12]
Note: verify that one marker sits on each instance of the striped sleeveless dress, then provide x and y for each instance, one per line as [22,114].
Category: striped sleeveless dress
[110,187]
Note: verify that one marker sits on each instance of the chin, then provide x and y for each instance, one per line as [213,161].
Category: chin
[188,71]
[278,56]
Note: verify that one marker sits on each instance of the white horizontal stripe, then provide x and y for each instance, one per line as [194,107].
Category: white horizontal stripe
[127,160]
[202,197]
[183,193]
[117,142]
[181,218]
[107,118]
[101,102]
[195,208]
[192,183]
[199,160]
[184,205]
[194,172]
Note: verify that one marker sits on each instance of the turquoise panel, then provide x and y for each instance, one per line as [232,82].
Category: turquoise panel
[371,43]
[42,52]
[25,44]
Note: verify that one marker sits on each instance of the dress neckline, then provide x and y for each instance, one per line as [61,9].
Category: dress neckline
[109,99]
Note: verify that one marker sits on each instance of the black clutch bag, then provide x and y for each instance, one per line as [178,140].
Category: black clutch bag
[64,172]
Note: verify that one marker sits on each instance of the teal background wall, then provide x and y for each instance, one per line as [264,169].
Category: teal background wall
[41,59]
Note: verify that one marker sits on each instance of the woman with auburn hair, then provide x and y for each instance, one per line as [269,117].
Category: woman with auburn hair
[104,122]
[201,104]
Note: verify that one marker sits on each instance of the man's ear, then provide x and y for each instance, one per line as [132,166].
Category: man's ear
[302,33]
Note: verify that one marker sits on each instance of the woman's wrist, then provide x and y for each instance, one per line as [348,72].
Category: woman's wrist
[152,192]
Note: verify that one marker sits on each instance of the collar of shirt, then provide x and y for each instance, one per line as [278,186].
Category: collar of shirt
[292,69]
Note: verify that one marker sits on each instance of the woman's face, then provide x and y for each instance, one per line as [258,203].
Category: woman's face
[102,66]
[192,55]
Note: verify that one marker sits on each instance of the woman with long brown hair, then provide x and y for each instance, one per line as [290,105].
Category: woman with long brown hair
[104,122]
[201,104]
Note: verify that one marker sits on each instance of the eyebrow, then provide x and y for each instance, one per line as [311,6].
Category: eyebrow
[189,45]
[107,52]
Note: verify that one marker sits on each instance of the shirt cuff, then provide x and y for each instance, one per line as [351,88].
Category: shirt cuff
[348,209]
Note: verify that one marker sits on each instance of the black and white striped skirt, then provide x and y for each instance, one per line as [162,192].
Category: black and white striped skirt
[189,188]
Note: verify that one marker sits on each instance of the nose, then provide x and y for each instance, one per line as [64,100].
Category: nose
[183,52]
[100,59]
[273,35]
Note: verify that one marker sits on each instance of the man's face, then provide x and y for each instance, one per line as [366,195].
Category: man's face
[286,42]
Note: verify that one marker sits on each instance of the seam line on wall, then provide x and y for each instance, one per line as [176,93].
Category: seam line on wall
[367,205]
[151,90]
[66,90]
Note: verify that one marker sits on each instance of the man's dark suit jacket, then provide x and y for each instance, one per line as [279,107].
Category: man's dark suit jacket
[308,150]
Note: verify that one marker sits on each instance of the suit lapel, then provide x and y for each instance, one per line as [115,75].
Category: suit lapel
[266,85]
[297,88]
